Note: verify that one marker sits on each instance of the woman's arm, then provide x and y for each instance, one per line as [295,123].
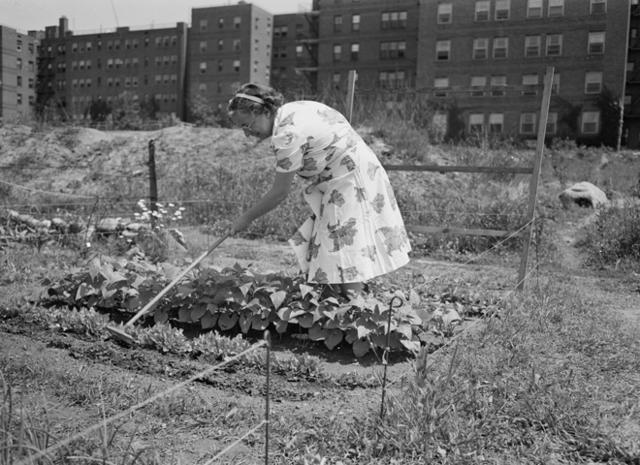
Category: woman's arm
[278,192]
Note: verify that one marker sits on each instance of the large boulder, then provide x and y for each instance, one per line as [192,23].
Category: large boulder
[584,194]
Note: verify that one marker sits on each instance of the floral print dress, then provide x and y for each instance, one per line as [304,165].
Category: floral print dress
[356,231]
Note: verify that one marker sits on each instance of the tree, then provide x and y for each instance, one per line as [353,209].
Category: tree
[610,110]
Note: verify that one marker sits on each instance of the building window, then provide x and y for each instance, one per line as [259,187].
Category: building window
[336,78]
[596,43]
[501,47]
[221,23]
[220,65]
[236,45]
[503,8]
[593,82]
[498,86]
[476,123]
[390,50]
[554,45]
[496,123]
[530,84]
[203,67]
[355,51]
[480,48]
[482,10]
[556,8]
[534,8]
[528,123]
[19,99]
[552,123]
[440,86]
[203,25]
[337,23]
[355,23]
[299,51]
[478,84]
[203,46]
[598,7]
[19,81]
[18,63]
[445,13]
[236,65]
[202,87]
[394,20]
[555,84]
[337,52]
[443,50]
[590,122]
[532,46]
[237,21]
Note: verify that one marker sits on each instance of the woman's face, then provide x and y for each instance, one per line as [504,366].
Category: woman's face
[253,124]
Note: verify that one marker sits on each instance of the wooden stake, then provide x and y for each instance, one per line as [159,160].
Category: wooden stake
[535,177]
[351,90]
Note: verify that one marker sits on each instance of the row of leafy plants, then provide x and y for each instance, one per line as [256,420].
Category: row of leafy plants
[237,300]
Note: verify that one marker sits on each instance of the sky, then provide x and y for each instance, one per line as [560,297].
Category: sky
[89,15]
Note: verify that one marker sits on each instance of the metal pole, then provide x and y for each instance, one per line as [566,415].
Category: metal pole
[535,177]
[351,90]
[385,354]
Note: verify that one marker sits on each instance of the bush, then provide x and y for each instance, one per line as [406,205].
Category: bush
[615,237]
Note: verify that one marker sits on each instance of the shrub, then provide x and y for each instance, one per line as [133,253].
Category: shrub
[614,237]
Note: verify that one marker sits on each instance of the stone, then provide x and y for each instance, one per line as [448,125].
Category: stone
[584,194]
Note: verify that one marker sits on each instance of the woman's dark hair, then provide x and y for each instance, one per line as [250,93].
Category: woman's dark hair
[271,99]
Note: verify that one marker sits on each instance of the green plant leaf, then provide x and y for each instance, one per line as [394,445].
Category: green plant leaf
[317,332]
[333,338]
[209,320]
[360,347]
[184,315]
[245,288]
[305,289]
[227,320]
[84,290]
[198,312]
[258,323]
[277,298]
[281,326]
[161,316]
[306,320]
[362,331]
[413,346]
[245,321]
[351,336]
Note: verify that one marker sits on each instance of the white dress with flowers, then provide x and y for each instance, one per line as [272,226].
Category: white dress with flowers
[356,232]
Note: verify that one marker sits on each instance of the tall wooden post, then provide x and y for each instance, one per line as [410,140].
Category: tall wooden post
[351,90]
[153,183]
[535,177]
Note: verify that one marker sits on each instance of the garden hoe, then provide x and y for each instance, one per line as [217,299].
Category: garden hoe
[121,334]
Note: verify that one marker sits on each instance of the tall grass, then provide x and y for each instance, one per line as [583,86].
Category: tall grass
[614,237]
[548,382]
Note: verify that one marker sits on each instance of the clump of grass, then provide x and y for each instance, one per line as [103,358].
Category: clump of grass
[614,237]
[535,386]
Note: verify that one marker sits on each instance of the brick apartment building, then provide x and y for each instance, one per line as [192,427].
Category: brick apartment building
[294,61]
[488,58]
[482,61]
[228,46]
[18,57]
[632,94]
[139,65]
[378,38]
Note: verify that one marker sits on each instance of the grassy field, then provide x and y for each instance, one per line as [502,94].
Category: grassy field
[550,375]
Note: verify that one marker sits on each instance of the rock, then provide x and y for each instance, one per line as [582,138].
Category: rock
[584,194]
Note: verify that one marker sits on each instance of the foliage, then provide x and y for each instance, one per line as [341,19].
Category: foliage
[610,118]
[236,298]
[614,236]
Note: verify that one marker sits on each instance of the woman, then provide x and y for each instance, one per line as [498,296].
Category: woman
[356,231]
